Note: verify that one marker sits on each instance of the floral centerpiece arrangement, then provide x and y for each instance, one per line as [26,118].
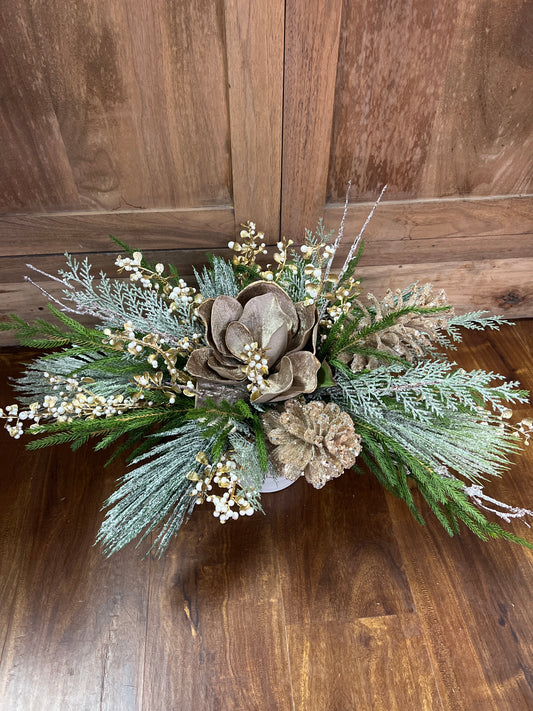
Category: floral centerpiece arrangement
[284,370]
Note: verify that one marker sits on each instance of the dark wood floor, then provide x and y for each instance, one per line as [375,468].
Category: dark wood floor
[335,600]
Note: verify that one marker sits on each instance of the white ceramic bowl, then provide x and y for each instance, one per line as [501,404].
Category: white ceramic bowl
[271,485]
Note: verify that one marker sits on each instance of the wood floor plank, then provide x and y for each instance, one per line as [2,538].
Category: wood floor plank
[336,599]
[215,635]
[75,634]
[337,555]
[377,663]
[475,599]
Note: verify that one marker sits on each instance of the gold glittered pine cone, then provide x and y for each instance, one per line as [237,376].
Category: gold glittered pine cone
[315,440]
[260,337]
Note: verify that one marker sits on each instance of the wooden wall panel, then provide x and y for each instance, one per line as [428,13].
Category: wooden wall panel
[159,122]
[169,123]
[311,50]
[433,99]
[255,42]
[389,86]
[34,171]
[86,232]
[480,251]
[136,97]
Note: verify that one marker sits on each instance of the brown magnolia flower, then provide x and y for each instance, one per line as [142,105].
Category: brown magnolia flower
[315,440]
[259,336]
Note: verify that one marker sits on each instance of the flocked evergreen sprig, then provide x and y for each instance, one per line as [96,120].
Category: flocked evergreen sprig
[265,369]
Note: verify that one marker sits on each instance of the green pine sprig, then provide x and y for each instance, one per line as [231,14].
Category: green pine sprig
[218,420]
[395,466]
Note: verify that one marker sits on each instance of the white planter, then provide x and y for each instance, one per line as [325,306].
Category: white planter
[272,485]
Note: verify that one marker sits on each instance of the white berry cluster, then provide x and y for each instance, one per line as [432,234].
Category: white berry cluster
[341,302]
[235,500]
[73,401]
[255,367]
[182,292]
[151,347]
[133,264]
[155,279]
[15,418]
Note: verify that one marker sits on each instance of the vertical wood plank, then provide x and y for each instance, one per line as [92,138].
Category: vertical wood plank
[433,99]
[73,621]
[474,598]
[215,637]
[35,172]
[254,42]
[482,140]
[311,54]
[389,86]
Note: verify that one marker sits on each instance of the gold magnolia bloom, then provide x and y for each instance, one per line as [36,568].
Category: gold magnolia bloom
[258,337]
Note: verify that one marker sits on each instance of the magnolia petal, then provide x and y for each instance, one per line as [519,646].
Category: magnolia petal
[224,371]
[284,300]
[263,316]
[204,311]
[277,383]
[308,319]
[201,362]
[225,310]
[237,337]
[197,363]
[304,367]
[276,346]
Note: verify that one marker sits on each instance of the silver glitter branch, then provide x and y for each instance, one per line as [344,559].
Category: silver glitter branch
[339,234]
[48,295]
[478,496]
[357,241]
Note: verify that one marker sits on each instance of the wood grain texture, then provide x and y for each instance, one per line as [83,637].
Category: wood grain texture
[311,53]
[34,171]
[216,638]
[334,600]
[86,232]
[433,99]
[502,217]
[108,105]
[497,285]
[371,663]
[255,43]
[482,601]
[81,657]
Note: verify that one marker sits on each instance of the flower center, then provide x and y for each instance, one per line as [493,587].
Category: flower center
[255,367]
